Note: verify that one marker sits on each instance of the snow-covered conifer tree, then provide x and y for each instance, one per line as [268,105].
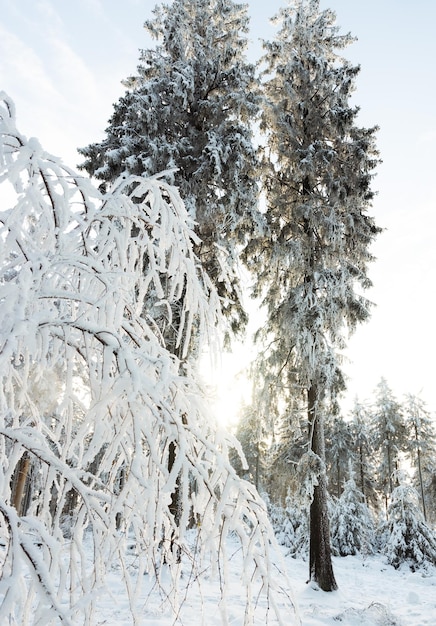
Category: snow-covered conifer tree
[251,436]
[389,437]
[191,107]
[408,538]
[91,397]
[291,527]
[362,453]
[352,527]
[285,453]
[430,490]
[421,444]
[312,261]
[338,452]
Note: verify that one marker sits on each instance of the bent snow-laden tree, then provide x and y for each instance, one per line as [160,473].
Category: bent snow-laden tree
[91,399]
[191,107]
[313,258]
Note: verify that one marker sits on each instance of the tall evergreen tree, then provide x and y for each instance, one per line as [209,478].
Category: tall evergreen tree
[422,442]
[314,255]
[285,453]
[408,538]
[251,435]
[352,526]
[190,107]
[188,111]
[389,437]
[338,452]
[363,453]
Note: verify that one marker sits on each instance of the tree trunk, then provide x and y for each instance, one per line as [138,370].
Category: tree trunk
[256,481]
[320,560]
[174,546]
[421,485]
[362,475]
[421,482]
[391,486]
[22,472]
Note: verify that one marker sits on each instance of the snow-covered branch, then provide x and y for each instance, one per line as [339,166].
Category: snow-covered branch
[99,424]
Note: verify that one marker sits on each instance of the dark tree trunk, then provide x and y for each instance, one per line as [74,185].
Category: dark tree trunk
[175,496]
[120,486]
[22,474]
[421,482]
[362,476]
[175,505]
[256,482]
[320,560]
[391,486]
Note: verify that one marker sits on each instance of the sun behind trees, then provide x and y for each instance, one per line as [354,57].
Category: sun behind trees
[193,105]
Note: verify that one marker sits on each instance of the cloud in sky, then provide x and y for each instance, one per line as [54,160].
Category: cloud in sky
[51,82]
[21,68]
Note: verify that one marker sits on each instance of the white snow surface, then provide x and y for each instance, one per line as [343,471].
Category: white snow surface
[371,593]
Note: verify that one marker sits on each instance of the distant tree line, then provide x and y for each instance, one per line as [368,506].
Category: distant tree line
[381,473]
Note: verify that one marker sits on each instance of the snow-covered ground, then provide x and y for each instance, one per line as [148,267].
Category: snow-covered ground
[371,593]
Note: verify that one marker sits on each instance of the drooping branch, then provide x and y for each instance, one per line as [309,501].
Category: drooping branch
[89,390]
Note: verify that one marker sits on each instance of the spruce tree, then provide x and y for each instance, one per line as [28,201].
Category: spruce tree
[363,454]
[352,526]
[389,437]
[421,442]
[251,435]
[188,112]
[290,524]
[338,452]
[409,539]
[313,258]
[190,107]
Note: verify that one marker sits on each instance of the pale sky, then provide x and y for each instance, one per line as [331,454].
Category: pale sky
[62,63]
